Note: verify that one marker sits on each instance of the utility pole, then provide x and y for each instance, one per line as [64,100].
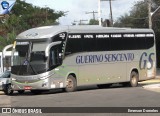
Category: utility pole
[99,12]
[111,12]
[149,14]
[110,3]
[92,13]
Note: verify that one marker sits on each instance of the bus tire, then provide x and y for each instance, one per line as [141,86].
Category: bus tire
[8,89]
[134,79]
[20,91]
[71,85]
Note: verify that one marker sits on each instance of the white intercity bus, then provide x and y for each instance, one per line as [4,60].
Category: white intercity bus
[66,57]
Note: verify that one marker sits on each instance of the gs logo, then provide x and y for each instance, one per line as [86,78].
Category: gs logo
[144,59]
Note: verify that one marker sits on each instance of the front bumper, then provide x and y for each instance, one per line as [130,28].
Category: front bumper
[41,85]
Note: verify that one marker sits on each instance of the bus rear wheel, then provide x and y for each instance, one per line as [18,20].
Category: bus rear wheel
[71,84]
[134,79]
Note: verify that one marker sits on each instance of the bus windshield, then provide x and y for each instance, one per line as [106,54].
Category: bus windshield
[29,58]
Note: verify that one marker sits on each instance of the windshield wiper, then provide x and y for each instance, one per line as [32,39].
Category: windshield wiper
[35,72]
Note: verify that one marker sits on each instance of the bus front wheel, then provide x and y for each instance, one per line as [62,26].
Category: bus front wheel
[8,89]
[71,84]
[134,79]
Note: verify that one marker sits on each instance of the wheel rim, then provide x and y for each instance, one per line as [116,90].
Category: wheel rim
[9,89]
[69,83]
[134,80]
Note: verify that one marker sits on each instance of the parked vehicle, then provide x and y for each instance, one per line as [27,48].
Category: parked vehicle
[4,79]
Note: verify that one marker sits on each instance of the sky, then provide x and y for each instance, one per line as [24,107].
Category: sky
[76,9]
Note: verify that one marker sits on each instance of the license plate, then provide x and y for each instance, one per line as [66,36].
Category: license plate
[27,87]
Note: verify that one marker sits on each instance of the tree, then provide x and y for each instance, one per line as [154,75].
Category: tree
[25,16]
[138,18]
[93,22]
[33,16]
[8,39]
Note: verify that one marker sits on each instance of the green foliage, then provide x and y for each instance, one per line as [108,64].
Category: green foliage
[8,39]
[124,21]
[33,16]
[93,22]
[25,16]
[137,18]
[156,3]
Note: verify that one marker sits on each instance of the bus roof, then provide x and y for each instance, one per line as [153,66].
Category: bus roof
[50,31]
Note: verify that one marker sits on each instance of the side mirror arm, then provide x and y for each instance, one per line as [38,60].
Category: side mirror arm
[49,47]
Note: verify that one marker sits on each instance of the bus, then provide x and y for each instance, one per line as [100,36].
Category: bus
[66,57]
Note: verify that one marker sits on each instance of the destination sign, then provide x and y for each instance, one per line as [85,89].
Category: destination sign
[22,43]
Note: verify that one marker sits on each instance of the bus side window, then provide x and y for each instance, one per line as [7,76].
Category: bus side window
[55,56]
[52,58]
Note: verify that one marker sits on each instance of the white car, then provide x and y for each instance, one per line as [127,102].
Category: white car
[4,80]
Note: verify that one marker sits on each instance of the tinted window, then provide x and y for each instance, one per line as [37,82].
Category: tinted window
[149,42]
[74,44]
[38,56]
[55,57]
[103,42]
[108,42]
[140,42]
[22,48]
[89,44]
[129,43]
[117,42]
